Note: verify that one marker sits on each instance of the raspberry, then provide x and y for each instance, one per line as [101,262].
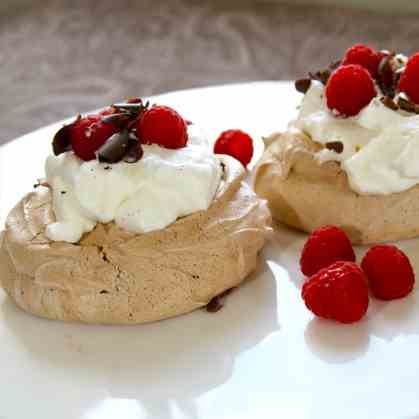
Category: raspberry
[325,246]
[88,134]
[349,89]
[409,79]
[235,143]
[339,292]
[389,272]
[364,56]
[163,126]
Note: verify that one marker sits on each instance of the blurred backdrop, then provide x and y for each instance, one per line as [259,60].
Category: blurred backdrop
[59,57]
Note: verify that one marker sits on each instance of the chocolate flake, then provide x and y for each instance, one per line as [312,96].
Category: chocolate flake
[215,304]
[134,107]
[120,120]
[321,75]
[388,102]
[302,85]
[61,141]
[134,151]
[115,148]
[407,105]
[335,146]
[386,78]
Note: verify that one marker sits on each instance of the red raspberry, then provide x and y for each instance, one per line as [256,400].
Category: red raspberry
[235,143]
[409,79]
[88,134]
[389,272]
[339,292]
[349,89]
[364,56]
[325,246]
[163,126]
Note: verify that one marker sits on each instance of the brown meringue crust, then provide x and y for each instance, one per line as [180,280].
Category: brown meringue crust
[306,195]
[113,276]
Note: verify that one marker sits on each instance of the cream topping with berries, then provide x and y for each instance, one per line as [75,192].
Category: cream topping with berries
[140,197]
[378,147]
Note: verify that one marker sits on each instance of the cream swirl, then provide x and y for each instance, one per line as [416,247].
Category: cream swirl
[380,146]
[140,197]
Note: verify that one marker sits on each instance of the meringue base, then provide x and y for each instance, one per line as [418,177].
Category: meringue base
[113,276]
[306,195]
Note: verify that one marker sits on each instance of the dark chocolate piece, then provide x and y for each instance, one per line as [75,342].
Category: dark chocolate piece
[115,148]
[386,75]
[407,105]
[119,119]
[61,141]
[389,103]
[134,151]
[215,304]
[321,75]
[336,146]
[302,85]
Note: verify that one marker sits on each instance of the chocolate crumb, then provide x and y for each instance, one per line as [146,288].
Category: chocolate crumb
[388,102]
[408,106]
[335,146]
[215,304]
[104,292]
[302,85]
[134,151]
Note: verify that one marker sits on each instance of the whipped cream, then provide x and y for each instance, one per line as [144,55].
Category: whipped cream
[380,146]
[140,197]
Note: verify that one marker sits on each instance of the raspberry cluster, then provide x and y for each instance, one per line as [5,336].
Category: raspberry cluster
[337,288]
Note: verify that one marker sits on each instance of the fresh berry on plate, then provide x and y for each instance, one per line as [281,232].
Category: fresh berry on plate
[389,272]
[339,292]
[349,89]
[88,134]
[325,246]
[364,56]
[235,143]
[163,126]
[409,79]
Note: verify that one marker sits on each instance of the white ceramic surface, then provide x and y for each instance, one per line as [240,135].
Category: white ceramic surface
[262,356]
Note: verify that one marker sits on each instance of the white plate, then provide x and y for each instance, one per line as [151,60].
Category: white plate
[263,356]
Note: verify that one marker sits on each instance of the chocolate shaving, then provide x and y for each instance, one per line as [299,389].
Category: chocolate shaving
[120,120]
[215,304]
[388,102]
[133,107]
[386,79]
[61,141]
[134,151]
[408,106]
[115,148]
[321,75]
[335,146]
[302,85]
